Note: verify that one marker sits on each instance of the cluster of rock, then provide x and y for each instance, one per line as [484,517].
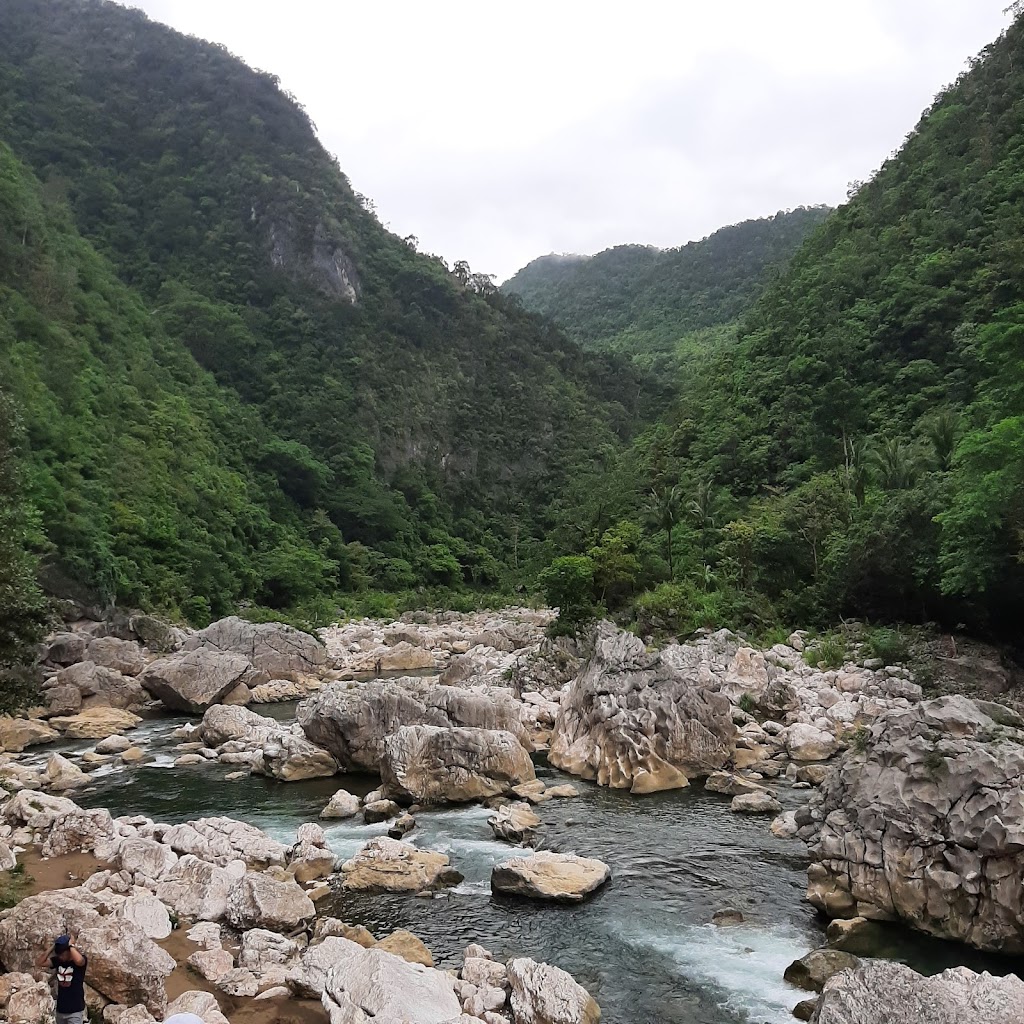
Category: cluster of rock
[423,641]
[232,661]
[253,924]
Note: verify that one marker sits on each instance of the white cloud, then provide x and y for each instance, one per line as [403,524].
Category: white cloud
[497,131]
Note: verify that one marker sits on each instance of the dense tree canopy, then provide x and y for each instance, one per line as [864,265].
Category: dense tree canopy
[858,447]
[237,386]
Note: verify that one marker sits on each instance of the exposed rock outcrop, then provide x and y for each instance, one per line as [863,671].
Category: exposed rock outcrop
[192,682]
[925,824]
[634,720]
[542,994]
[352,722]
[275,651]
[372,985]
[429,764]
[880,992]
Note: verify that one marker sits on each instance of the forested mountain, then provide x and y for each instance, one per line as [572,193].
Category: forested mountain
[860,449]
[235,385]
[641,300]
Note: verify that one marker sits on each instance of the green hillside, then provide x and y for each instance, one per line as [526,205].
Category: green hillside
[641,301]
[236,386]
[860,450]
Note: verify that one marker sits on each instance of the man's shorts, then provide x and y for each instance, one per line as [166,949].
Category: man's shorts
[71,1018]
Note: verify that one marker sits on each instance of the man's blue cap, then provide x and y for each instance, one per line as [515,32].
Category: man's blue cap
[62,942]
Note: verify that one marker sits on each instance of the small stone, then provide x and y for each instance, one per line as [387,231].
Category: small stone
[804,1010]
[755,803]
[726,916]
[380,810]
[813,970]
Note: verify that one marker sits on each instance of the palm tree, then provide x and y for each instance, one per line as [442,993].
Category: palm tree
[896,464]
[941,430]
[665,506]
[702,509]
[858,457]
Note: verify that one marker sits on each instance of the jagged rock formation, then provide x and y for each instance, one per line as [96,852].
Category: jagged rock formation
[925,824]
[633,720]
[428,764]
[879,992]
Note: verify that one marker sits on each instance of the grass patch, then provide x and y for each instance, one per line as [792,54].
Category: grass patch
[14,886]
[826,652]
[887,644]
[747,703]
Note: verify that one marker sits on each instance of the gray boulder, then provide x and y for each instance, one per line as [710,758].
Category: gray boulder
[372,985]
[121,655]
[428,764]
[275,650]
[924,823]
[65,648]
[353,722]
[881,992]
[542,994]
[194,681]
[102,686]
[638,721]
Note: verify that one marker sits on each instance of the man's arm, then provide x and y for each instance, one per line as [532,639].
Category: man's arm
[44,960]
[76,958]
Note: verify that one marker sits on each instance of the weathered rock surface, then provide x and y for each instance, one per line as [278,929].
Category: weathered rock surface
[807,743]
[367,985]
[103,685]
[550,876]
[514,822]
[633,720]
[353,722]
[542,994]
[926,825]
[811,971]
[125,965]
[389,865]
[279,751]
[880,992]
[121,655]
[65,648]
[342,805]
[18,733]
[96,723]
[275,650]
[30,1003]
[428,764]
[62,774]
[222,840]
[259,901]
[192,682]
[408,946]
[755,803]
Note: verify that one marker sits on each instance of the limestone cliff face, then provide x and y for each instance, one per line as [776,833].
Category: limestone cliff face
[925,824]
[320,260]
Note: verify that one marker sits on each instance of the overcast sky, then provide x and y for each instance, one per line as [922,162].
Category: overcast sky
[497,131]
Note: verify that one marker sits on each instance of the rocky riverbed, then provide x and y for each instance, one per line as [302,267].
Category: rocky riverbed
[665,883]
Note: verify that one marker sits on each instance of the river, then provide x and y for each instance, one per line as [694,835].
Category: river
[643,946]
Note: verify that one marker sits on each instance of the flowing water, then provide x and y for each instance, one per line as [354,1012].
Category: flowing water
[643,946]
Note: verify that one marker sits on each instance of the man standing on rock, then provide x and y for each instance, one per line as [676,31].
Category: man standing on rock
[70,965]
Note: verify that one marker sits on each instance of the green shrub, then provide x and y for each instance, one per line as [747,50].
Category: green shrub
[859,739]
[747,703]
[888,644]
[826,652]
